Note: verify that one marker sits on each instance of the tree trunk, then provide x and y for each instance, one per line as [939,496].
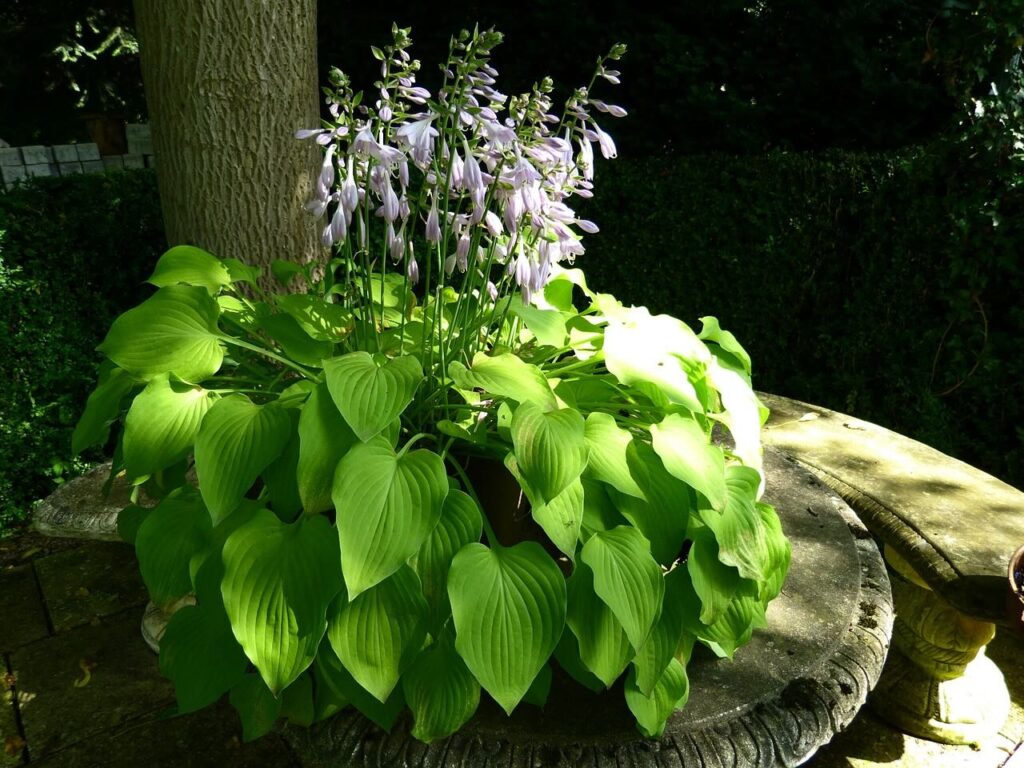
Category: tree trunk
[227,85]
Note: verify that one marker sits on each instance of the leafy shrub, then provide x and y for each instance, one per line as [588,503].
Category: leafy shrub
[73,254]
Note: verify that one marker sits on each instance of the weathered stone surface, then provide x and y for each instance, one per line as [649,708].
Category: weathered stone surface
[88,151]
[70,169]
[92,581]
[65,153]
[93,166]
[13,173]
[23,619]
[78,509]
[786,693]
[208,738]
[113,162]
[64,704]
[40,170]
[36,155]
[954,524]
[10,156]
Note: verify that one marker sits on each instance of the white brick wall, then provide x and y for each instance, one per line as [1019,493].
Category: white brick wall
[17,163]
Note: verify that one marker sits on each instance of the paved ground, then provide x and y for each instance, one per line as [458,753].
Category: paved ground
[80,688]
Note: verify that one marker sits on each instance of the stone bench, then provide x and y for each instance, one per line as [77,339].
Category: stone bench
[948,531]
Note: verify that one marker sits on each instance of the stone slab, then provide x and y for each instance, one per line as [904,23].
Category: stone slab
[37,155]
[21,608]
[12,173]
[93,166]
[88,151]
[65,153]
[41,169]
[113,162]
[95,580]
[211,737]
[11,156]
[70,169]
[62,705]
[134,161]
[78,509]
[956,525]
[10,738]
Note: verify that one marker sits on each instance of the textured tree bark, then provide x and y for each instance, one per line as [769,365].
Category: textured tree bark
[227,85]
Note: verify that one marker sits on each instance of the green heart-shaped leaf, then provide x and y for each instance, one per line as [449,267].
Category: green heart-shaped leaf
[712,331]
[550,448]
[734,627]
[370,396]
[738,527]
[779,552]
[236,441]
[509,607]
[338,679]
[562,517]
[198,652]
[324,437]
[505,375]
[714,582]
[278,581]
[162,425]
[376,635]
[626,578]
[684,448]
[440,690]
[669,694]
[547,325]
[178,528]
[387,506]
[296,343]
[173,331]
[460,524]
[257,707]
[654,349]
[191,266]
[102,408]
[663,642]
[602,642]
[608,443]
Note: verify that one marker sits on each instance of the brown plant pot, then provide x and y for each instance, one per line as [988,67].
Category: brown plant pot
[1015,590]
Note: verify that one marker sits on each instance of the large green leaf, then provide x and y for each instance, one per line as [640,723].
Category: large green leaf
[626,578]
[734,627]
[684,448]
[663,517]
[460,524]
[562,517]
[102,408]
[742,413]
[376,635]
[714,582]
[191,266]
[547,325]
[663,642]
[296,343]
[505,375]
[162,424]
[297,701]
[321,320]
[567,653]
[602,642]
[654,349]
[278,581]
[198,652]
[370,396]
[257,707]
[735,353]
[599,511]
[550,448]
[509,607]
[440,690]
[608,443]
[779,553]
[173,331]
[279,478]
[324,437]
[387,506]
[237,440]
[170,535]
[338,679]
[738,527]
[670,693]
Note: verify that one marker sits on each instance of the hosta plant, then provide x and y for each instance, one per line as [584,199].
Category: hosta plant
[306,451]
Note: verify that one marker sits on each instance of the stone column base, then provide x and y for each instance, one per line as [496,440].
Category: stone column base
[937,682]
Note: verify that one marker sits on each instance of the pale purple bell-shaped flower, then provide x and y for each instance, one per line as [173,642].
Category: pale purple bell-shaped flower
[413,270]
[327,237]
[349,190]
[607,145]
[317,207]
[308,133]
[587,226]
[587,159]
[339,225]
[449,265]
[492,290]
[462,252]
[419,137]
[433,233]
[397,248]
[493,223]
[389,202]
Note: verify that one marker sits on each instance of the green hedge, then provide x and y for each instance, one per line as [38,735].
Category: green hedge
[856,281]
[73,254]
[863,282]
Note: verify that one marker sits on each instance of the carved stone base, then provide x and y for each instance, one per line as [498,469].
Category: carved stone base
[938,683]
[155,618]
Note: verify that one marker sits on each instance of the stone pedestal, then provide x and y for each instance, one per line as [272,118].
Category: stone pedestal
[938,683]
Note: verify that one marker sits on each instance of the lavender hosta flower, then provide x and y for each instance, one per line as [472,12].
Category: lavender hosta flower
[317,207]
[433,233]
[462,252]
[449,265]
[492,291]
[397,248]
[413,269]
[493,223]
[587,226]
[339,225]
[349,190]
[608,150]
[611,109]
[327,169]
[611,75]
[419,137]
[415,94]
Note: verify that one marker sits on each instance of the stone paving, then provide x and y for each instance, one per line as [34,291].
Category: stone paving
[80,688]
